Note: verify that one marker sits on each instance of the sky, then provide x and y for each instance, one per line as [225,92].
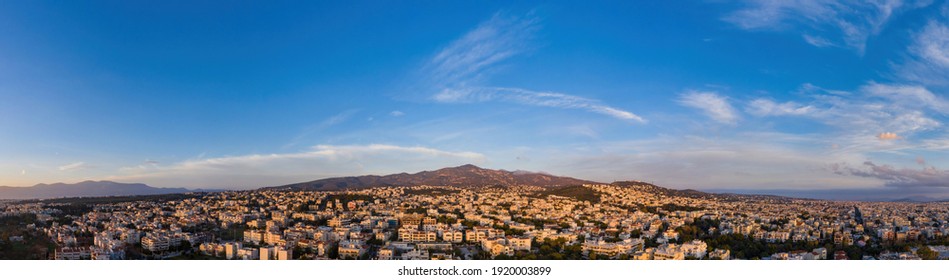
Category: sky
[805,96]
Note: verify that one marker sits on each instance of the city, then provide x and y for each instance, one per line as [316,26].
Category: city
[702,139]
[623,220]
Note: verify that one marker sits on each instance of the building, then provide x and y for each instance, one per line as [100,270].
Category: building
[669,252]
[73,253]
[612,249]
[231,250]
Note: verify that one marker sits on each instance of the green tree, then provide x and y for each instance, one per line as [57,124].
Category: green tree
[926,253]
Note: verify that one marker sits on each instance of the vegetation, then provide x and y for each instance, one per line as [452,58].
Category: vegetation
[669,207]
[234,232]
[34,245]
[746,247]
[578,192]
[430,191]
[927,254]
[557,249]
[508,231]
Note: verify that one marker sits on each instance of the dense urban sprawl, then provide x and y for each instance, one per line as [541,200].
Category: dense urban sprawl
[617,221]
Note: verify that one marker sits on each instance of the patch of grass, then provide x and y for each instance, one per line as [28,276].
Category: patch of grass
[431,192]
[577,192]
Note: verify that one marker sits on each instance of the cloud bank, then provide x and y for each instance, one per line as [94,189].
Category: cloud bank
[928,177]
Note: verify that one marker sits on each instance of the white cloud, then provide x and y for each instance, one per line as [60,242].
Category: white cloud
[765,107]
[535,98]
[466,59]
[713,105]
[861,116]
[928,60]
[74,166]
[337,119]
[907,95]
[259,170]
[863,124]
[853,21]
[818,41]
[397,113]
[933,44]
[458,71]
[811,89]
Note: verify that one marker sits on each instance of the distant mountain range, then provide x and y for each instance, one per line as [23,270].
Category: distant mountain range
[83,189]
[461,176]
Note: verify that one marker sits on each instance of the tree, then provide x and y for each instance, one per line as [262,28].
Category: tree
[333,252]
[926,253]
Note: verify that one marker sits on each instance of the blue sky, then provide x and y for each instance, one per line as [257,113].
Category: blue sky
[742,95]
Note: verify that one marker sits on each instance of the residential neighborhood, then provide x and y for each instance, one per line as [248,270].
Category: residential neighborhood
[628,221]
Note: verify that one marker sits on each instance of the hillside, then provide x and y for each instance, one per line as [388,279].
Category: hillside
[462,176]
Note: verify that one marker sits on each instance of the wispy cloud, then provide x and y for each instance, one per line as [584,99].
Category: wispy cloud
[875,118]
[397,113]
[458,71]
[712,104]
[74,166]
[852,21]
[257,170]
[765,107]
[582,130]
[337,119]
[907,95]
[928,60]
[938,144]
[468,58]
[818,41]
[534,98]
[873,109]
[326,123]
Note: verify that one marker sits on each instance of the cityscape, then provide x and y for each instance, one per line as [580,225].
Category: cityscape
[627,220]
[417,137]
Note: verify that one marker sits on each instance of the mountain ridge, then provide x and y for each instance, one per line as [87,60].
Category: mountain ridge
[467,175]
[86,188]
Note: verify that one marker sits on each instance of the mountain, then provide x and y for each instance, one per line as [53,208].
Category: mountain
[83,189]
[462,176]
